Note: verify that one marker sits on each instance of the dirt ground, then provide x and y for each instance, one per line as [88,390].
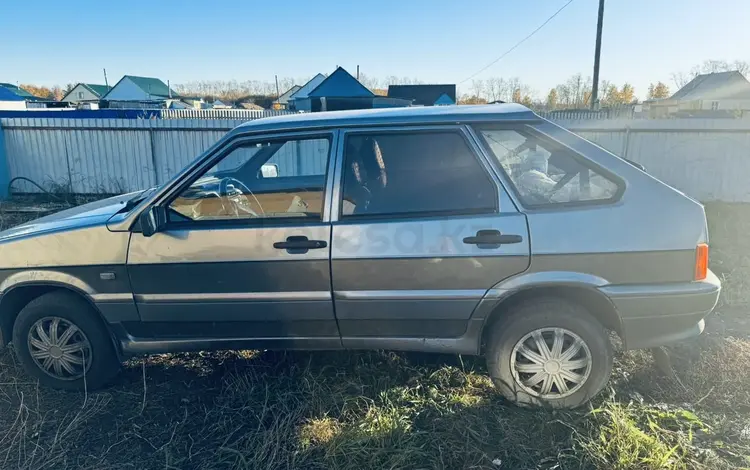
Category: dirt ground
[374,410]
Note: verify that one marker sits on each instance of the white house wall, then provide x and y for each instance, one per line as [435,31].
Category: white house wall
[728,105]
[6,105]
[73,97]
[126,90]
[308,87]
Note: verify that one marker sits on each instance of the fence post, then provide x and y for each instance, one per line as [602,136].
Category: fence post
[4,171]
[626,144]
[153,154]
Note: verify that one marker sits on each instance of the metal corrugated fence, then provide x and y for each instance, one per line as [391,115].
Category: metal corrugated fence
[707,159]
[104,155]
[119,155]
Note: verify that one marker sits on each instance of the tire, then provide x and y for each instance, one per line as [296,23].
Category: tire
[517,377]
[86,359]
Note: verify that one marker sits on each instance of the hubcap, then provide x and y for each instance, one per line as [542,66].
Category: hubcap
[59,348]
[551,363]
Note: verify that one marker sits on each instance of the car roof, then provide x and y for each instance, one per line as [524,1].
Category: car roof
[392,116]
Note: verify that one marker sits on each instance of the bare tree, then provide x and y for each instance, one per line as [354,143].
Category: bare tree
[372,83]
[741,66]
[394,80]
[499,89]
[478,88]
[680,79]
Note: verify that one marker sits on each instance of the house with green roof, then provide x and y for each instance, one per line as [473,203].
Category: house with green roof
[139,92]
[85,93]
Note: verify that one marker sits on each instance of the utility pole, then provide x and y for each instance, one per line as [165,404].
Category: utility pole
[276,77]
[106,83]
[597,53]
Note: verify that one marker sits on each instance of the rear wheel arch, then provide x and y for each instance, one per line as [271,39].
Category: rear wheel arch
[19,296]
[596,303]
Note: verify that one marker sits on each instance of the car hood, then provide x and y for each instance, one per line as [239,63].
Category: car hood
[87,215]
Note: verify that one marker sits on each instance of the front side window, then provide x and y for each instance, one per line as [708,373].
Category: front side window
[416,173]
[543,172]
[272,179]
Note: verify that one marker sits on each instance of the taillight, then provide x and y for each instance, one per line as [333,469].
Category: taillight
[701,261]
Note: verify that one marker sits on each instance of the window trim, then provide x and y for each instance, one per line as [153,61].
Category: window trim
[261,222]
[543,138]
[338,180]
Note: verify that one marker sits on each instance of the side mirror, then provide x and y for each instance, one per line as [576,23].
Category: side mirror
[153,220]
[269,170]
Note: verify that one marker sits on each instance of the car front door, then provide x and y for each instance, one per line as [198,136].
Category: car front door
[422,229]
[245,251]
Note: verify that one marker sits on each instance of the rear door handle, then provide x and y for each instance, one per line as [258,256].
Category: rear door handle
[492,238]
[299,244]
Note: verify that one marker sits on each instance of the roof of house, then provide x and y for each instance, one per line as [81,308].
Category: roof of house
[392,116]
[7,95]
[98,90]
[444,99]
[151,86]
[250,106]
[425,95]
[284,97]
[715,86]
[307,87]
[20,92]
[340,84]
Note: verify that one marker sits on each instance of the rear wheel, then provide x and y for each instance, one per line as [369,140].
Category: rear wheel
[61,341]
[549,352]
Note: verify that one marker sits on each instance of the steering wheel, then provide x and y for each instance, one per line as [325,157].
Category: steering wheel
[236,191]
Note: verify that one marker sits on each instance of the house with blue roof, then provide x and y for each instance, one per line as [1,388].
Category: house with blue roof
[14,97]
[338,91]
[10,100]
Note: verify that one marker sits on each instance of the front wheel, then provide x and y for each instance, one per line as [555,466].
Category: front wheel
[62,342]
[549,352]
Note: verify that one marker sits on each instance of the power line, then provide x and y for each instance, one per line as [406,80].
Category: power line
[518,43]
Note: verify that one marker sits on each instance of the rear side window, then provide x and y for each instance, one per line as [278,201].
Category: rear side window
[418,173]
[545,173]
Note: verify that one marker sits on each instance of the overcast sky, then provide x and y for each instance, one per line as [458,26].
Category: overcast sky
[437,41]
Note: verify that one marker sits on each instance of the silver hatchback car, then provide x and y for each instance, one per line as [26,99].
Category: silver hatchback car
[466,230]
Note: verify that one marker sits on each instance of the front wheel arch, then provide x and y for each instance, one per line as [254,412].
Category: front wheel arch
[19,296]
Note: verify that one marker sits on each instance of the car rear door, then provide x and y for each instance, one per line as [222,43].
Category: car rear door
[422,229]
[246,252]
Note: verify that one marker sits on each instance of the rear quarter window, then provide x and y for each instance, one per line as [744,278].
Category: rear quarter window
[546,173]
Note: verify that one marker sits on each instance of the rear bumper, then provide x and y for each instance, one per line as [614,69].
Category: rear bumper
[659,314]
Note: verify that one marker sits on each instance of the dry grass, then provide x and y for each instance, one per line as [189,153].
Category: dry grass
[373,410]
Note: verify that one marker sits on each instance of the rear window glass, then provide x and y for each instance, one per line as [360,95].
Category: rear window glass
[544,173]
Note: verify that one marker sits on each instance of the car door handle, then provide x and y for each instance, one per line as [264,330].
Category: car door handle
[300,242]
[492,237]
